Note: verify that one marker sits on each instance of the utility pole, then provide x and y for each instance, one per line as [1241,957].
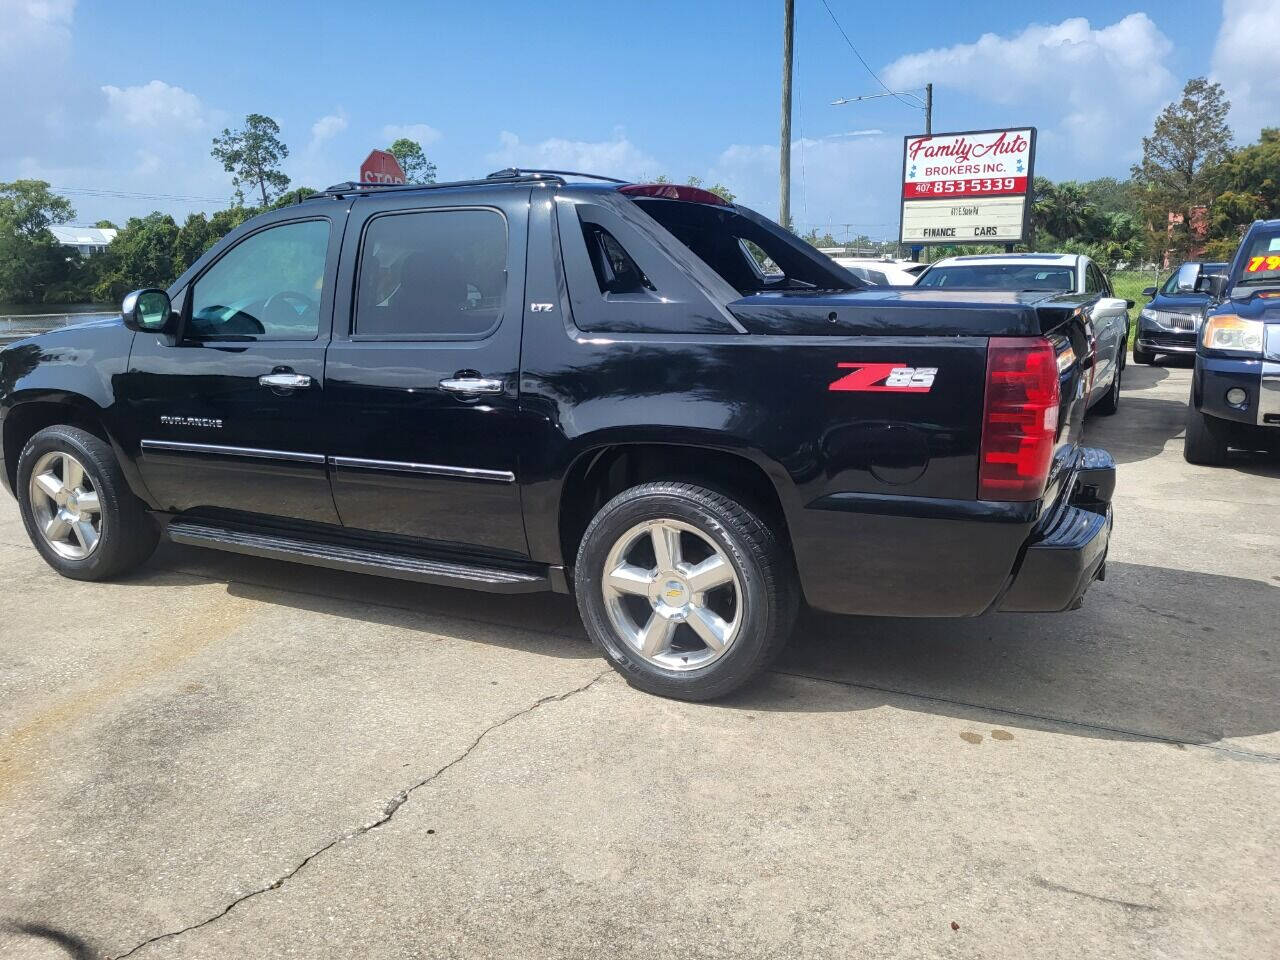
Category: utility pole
[928,109]
[784,151]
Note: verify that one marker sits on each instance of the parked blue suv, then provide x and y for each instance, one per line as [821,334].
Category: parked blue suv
[1235,390]
[1170,322]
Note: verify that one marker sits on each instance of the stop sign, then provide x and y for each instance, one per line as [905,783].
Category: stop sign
[381,167]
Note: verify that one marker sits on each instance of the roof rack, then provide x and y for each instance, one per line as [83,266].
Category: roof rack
[349,187]
[521,172]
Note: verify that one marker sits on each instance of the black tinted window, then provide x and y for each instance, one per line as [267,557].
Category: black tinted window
[267,287]
[435,273]
[615,271]
[1000,276]
[733,245]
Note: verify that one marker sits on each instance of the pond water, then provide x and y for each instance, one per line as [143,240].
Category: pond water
[20,320]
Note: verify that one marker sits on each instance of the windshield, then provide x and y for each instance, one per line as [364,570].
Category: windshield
[1000,276]
[749,252]
[1261,262]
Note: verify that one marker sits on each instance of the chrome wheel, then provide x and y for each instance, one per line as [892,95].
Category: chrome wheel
[64,503]
[672,594]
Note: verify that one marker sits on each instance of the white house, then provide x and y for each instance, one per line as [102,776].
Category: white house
[88,240]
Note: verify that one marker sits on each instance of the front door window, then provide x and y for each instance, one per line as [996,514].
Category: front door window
[267,287]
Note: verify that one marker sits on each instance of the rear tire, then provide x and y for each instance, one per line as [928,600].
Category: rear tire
[1206,439]
[77,506]
[688,593]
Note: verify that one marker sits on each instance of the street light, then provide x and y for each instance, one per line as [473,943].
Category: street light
[926,103]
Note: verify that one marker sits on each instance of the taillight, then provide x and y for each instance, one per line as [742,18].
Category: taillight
[1020,418]
[674,191]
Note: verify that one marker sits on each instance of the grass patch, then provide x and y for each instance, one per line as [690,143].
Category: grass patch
[1129,284]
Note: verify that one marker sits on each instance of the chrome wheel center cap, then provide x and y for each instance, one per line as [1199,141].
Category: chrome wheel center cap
[670,594]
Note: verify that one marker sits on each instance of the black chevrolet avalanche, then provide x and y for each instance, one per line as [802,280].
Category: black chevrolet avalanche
[639,394]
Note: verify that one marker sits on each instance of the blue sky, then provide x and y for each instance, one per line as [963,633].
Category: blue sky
[125,96]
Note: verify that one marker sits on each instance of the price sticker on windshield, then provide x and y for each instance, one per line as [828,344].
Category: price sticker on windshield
[1256,264]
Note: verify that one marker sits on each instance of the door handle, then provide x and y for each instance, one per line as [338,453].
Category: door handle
[285,381]
[471,386]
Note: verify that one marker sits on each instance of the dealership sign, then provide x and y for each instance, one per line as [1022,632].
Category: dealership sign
[967,187]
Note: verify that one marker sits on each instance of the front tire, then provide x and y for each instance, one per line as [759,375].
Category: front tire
[1143,356]
[1205,442]
[77,506]
[688,593]
[1109,404]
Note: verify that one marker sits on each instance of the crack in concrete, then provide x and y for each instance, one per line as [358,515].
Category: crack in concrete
[1236,753]
[1101,898]
[388,811]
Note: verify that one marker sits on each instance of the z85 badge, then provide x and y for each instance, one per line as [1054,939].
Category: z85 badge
[885,378]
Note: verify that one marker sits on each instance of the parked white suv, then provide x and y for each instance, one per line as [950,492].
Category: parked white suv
[1048,273]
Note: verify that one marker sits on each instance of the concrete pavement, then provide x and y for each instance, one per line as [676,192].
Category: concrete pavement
[224,756]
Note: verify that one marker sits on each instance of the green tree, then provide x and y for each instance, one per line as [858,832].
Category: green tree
[195,236]
[106,225]
[290,197]
[1248,189]
[413,161]
[144,254]
[252,155]
[824,240]
[1110,195]
[31,261]
[1180,159]
[1064,210]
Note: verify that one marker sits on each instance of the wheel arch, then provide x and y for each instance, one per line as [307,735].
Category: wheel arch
[27,415]
[601,472]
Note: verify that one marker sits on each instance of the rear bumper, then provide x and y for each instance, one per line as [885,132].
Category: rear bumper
[1061,563]
[917,557]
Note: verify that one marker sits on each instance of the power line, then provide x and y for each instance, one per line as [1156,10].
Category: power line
[864,63]
[132,195]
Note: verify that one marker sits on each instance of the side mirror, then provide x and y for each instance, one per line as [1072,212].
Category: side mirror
[1149,292]
[1188,277]
[1128,304]
[1214,284]
[147,311]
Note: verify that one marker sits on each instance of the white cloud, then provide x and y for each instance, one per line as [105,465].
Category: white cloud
[1243,63]
[328,127]
[1089,90]
[618,157]
[155,104]
[419,132]
[34,28]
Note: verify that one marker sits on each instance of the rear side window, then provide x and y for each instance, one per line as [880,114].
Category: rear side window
[432,274]
[749,253]
[1000,276]
[615,271]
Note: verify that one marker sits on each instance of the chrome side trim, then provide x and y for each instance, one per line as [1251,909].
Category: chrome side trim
[1269,392]
[434,469]
[253,453]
